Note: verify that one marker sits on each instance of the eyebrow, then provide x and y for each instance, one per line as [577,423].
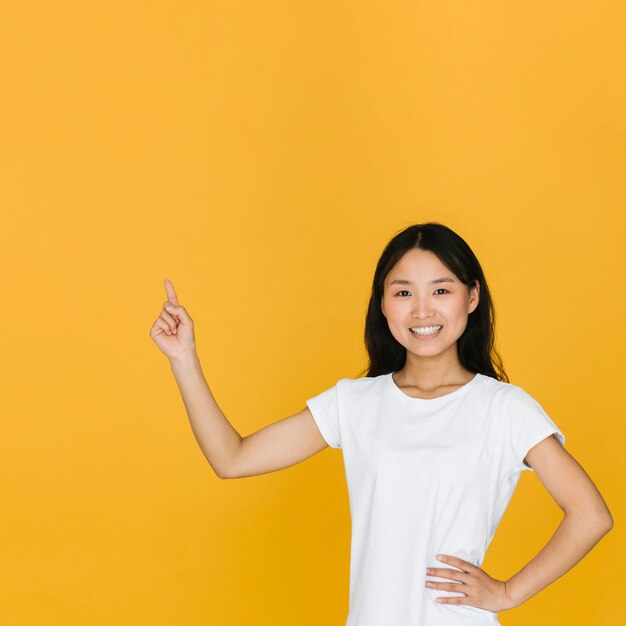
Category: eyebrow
[400,281]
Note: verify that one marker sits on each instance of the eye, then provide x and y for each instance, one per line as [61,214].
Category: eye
[436,290]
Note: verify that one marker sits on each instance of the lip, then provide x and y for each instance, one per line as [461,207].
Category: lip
[426,337]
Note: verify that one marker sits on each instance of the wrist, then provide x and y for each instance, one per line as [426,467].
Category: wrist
[513,600]
[185,362]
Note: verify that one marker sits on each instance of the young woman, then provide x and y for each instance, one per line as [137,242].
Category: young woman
[434,439]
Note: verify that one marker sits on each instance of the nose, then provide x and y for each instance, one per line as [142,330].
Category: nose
[421,310]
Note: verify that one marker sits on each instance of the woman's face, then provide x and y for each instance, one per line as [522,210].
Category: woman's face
[426,294]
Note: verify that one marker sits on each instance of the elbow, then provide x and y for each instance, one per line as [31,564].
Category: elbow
[226,465]
[224,474]
[605,520]
[223,468]
[218,471]
[608,523]
[595,519]
[604,526]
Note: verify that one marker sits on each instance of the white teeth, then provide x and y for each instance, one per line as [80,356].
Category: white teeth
[426,330]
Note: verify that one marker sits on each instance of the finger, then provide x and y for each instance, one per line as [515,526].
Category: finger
[172,309]
[446,586]
[164,326]
[453,600]
[170,321]
[171,294]
[456,562]
[443,572]
[178,313]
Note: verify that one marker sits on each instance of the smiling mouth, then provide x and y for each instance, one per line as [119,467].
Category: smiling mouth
[426,331]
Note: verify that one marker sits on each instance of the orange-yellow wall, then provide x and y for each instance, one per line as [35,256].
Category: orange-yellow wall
[260,154]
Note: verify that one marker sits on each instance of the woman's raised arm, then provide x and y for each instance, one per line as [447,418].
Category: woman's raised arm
[276,446]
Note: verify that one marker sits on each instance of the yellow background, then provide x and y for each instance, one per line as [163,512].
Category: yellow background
[260,154]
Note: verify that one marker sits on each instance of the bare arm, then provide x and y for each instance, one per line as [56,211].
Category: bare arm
[587,519]
[278,445]
[230,455]
[216,436]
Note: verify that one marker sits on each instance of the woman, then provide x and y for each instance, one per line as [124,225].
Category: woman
[434,439]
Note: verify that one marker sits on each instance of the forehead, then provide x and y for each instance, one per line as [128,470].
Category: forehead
[419,266]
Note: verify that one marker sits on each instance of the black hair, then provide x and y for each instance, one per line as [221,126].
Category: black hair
[476,346]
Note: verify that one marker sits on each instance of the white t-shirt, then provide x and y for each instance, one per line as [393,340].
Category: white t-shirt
[425,477]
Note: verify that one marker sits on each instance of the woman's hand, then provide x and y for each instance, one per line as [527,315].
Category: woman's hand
[480,589]
[173,329]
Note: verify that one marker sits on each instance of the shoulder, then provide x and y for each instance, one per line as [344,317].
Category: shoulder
[519,410]
[359,385]
[363,381]
[358,390]
[504,391]
[517,396]
[505,399]
[349,388]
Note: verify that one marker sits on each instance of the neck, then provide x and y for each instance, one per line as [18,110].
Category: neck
[430,374]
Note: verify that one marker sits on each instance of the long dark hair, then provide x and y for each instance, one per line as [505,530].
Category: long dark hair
[476,346]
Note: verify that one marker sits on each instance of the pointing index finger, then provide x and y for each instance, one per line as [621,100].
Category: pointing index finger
[171,294]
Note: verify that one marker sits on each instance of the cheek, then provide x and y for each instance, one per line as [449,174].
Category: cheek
[395,309]
[457,309]
[396,319]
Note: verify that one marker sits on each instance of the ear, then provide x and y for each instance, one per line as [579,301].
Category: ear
[474,296]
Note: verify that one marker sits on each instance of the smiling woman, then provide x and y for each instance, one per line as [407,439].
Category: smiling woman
[434,439]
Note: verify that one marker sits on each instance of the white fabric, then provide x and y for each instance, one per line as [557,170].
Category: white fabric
[424,477]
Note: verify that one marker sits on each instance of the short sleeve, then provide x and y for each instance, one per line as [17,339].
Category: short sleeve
[325,410]
[527,424]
